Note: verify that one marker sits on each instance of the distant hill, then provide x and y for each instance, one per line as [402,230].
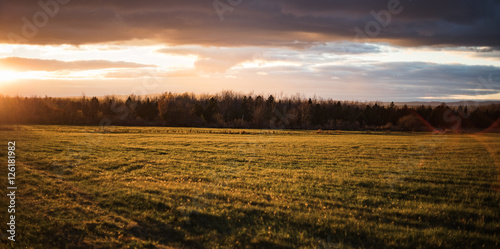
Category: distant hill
[451,104]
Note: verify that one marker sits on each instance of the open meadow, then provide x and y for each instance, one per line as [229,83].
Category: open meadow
[150,187]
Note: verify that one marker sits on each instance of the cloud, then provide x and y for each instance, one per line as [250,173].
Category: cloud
[346,48]
[213,59]
[27,64]
[219,60]
[134,74]
[413,79]
[494,96]
[292,23]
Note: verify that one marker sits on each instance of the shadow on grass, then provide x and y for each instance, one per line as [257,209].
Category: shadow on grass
[165,234]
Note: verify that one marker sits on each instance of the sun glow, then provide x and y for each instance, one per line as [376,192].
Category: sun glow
[6,76]
[10,76]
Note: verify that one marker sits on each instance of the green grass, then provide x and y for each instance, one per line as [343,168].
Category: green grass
[219,188]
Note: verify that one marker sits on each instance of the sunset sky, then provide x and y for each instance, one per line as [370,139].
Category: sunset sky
[366,50]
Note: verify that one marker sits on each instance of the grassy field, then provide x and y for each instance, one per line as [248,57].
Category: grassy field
[218,188]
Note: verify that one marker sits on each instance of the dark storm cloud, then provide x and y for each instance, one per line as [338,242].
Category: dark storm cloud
[27,64]
[254,22]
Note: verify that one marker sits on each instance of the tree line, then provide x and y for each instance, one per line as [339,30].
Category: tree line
[233,110]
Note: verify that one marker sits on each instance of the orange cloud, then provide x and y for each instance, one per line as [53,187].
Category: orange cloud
[27,64]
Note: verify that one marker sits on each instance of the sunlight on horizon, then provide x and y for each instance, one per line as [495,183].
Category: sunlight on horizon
[326,69]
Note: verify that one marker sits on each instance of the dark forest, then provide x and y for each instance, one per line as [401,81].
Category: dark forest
[233,110]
